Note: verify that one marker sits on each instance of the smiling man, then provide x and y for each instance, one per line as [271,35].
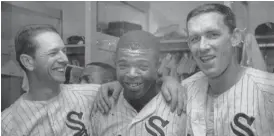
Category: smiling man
[225,99]
[49,108]
[141,110]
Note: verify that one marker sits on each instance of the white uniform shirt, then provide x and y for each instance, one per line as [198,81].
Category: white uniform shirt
[153,120]
[247,108]
[67,114]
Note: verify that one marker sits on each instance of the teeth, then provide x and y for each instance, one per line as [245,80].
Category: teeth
[61,69]
[206,58]
[134,85]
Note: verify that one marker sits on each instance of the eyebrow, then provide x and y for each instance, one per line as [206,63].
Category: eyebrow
[208,30]
[122,60]
[57,49]
[138,60]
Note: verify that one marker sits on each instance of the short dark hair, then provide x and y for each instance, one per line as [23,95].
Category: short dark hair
[24,43]
[229,17]
[104,66]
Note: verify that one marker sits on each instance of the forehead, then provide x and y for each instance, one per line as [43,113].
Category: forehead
[206,22]
[48,40]
[134,55]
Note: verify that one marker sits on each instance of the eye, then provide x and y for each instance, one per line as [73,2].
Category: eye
[53,53]
[194,39]
[213,35]
[144,67]
[123,66]
[64,50]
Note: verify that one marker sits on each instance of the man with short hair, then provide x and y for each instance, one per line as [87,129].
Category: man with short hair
[225,99]
[49,108]
[140,110]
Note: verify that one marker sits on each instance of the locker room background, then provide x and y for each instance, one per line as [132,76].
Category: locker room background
[90,31]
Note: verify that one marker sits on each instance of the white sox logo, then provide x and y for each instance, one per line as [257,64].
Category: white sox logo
[236,121]
[157,128]
[81,131]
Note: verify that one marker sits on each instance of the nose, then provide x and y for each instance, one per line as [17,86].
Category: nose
[204,45]
[132,72]
[63,58]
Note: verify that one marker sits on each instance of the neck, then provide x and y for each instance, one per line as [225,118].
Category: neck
[226,80]
[140,103]
[41,90]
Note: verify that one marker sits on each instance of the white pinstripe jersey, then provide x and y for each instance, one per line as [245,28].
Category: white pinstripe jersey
[67,114]
[246,109]
[155,119]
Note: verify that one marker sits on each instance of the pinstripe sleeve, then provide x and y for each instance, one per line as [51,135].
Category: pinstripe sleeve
[88,90]
[182,125]
[6,122]
[95,123]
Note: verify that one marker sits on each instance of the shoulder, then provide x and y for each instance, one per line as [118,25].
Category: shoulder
[200,76]
[263,81]
[81,89]
[6,120]
[6,115]
[195,83]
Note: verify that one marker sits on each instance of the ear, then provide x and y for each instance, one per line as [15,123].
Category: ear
[27,61]
[236,38]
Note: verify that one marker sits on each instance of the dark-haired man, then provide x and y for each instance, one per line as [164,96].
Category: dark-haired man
[48,108]
[140,110]
[225,99]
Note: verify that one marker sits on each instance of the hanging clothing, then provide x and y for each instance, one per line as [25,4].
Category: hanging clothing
[251,55]
[163,70]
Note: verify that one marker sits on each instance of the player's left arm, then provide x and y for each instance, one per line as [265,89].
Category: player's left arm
[182,125]
[172,91]
[95,123]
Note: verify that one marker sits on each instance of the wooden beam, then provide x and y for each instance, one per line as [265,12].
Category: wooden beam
[37,7]
[90,31]
[141,6]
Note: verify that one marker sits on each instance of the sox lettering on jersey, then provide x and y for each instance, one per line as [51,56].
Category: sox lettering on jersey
[157,128]
[81,131]
[249,120]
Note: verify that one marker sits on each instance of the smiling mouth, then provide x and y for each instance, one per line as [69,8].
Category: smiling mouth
[59,69]
[133,85]
[208,58]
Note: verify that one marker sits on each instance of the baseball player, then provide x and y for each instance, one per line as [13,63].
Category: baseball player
[49,108]
[140,109]
[225,99]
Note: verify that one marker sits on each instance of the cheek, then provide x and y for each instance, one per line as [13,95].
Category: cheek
[193,49]
[41,63]
[149,75]
[120,74]
[224,51]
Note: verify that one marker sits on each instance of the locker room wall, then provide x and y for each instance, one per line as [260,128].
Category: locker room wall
[73,16]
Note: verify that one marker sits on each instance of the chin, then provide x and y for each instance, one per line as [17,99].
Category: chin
[133,93]
[59,79]
[211,73]
[214,72]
